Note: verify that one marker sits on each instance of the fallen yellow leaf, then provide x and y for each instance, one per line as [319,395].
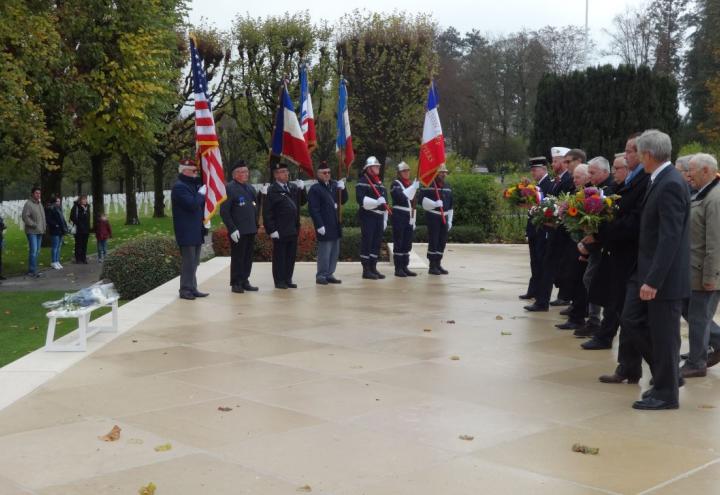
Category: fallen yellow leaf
[455,358]
[504,332]
[498,317]
[305,488]
[148,489]
[584,449]
[163,448]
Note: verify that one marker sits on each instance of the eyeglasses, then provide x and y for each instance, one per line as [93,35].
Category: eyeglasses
[323,171]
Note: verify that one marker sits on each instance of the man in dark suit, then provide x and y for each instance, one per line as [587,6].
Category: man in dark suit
[239,214]
[661,280]
[619,242]
[536,236]
[555,243]
[323,199]
[281,216]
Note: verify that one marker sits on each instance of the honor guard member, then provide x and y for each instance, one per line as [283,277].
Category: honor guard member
[372,198]
[323,207]
[281,216]
[437,202]
[536,236]
[239,214]
[403,219]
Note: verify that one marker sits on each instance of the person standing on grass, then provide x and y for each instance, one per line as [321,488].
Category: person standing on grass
[33,216]
[57,228]
[80,218]
[3,228]
[103,232]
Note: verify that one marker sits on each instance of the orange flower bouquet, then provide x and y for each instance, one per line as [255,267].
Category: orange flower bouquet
[523,194]
[583,212]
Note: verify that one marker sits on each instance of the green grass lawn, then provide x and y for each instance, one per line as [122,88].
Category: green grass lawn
[23,324]
[16,247]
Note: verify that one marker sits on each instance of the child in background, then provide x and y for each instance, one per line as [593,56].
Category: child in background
[103,232]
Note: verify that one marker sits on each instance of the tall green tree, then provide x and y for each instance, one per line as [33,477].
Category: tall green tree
[388,61]
[598,108]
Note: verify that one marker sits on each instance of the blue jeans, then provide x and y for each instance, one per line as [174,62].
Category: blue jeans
[56,243]
[699,311]
[102,248]
[34,241]
[327,257]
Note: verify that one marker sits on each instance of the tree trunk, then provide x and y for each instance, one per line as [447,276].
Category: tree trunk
[51,179]
[158,174]
[121,185]
[131,213]
[97,163]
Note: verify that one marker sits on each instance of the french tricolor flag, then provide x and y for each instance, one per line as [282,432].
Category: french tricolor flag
[343,144]
[288,140]
[432,149]
[307,117]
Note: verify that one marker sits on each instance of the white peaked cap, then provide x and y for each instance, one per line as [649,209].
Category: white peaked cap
[556,151]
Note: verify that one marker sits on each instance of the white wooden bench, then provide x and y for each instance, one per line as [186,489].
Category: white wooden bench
[85,331]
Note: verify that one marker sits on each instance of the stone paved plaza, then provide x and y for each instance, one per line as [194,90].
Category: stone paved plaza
[365,388]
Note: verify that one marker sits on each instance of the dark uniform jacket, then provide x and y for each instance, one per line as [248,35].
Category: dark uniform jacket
[362,189]
[239,211]
[323,207]
[187,211]
[445,194]
[281,210]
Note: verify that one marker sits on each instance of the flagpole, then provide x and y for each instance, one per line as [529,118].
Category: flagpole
[270,155]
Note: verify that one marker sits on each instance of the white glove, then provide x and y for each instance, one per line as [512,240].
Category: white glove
[385,220]
[264,188]
[340,184]
[438,203]
[413,221]
[449,219]
[235,236]
[411,190]
[202,190]
[300,183]
[275,235]
[381,201]
[370,203]
[428,204]
[321,230]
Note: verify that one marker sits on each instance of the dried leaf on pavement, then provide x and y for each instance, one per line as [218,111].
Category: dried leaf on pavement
[584,449]
[112,436]
[450,322]
[163,448]
[498,317]
[305,488]
[706,406]
[224,409]
[427,329]
[468,438]
[455,358]
[505,332]
[148,489]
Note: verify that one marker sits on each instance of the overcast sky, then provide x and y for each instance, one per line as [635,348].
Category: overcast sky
[495,16]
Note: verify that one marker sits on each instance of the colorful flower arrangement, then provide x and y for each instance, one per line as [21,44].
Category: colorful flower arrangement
[523,194]
[582,212]
[547,213]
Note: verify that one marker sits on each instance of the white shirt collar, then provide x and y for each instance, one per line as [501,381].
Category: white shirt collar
[662,167]
[543,178]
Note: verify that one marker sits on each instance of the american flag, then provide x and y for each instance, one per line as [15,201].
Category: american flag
[206,141]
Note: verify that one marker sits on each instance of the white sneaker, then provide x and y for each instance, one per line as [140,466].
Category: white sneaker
[55,266]
[60,267]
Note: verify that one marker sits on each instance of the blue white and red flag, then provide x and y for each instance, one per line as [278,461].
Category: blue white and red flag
[207,145]
[432,149]
[288,140]
[343,144]
[307,117]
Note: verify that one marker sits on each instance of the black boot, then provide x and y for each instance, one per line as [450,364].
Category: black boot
[399,272]
[367,273]
[434,268]
[373,268]
[439,267]
[406,269]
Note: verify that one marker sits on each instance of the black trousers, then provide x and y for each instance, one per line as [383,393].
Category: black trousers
[437,236]
[536,245]
[283,258]
[371,232]
[402,238]
[653,332]
[241,258]
[579,292]
[551,264]
[81,242]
